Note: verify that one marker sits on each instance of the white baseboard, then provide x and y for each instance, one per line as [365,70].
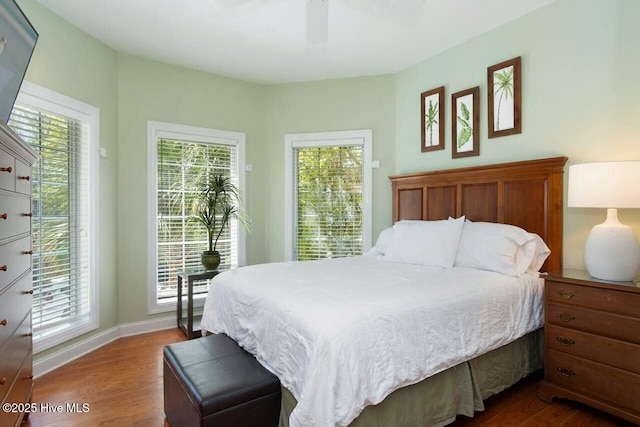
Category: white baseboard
[79,349]
[146,326]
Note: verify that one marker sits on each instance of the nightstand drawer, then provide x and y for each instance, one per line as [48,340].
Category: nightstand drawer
[612,325]
[620,388]
[592,297]
[619,354]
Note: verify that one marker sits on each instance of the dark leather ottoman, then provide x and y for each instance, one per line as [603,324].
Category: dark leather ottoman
[212,381]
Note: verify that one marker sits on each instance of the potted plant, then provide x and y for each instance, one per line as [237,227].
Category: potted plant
[214,207]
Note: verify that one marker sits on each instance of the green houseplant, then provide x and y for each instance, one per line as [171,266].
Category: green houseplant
[217,203]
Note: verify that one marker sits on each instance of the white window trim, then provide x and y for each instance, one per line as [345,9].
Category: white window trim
[37,96]
[157,130]
[326,139]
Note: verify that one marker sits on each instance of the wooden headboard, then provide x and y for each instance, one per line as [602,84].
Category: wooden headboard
[527,194]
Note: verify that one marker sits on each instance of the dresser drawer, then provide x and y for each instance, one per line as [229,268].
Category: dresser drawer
[15,259]
[619,302]
[13,354]
[612,325]
[7,171]
[619,354]
[16,303]
[620,388]
[23,178]
[20,392]
[14,215]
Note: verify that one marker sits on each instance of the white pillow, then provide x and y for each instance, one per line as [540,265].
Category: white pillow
[540,255]
[503,248]
[382,244]
[430,243]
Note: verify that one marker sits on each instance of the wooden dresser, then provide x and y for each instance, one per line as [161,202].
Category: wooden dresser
[592,343]
[16,286]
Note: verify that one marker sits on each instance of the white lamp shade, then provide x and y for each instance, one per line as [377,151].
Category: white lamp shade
[605,185]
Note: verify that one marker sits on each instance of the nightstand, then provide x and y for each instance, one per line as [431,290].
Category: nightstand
[191,325]
[592,343]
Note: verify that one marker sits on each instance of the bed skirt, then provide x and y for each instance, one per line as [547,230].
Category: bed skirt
[459,390]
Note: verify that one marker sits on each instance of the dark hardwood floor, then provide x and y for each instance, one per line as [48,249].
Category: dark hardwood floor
[121,382]
[122,385]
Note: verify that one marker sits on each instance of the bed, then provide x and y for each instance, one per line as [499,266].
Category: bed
[345,358]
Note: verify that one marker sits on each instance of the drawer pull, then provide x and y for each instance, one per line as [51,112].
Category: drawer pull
[6,169]
[566,372]
[3,268]
[3,380]
[3,322]
[29,292]
[30,334]
[566,295]
[3,216]
[565,341]
[26,178]
[27,214]
[27,253]
[566,317]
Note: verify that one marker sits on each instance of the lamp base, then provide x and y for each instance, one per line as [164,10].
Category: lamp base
[612,251]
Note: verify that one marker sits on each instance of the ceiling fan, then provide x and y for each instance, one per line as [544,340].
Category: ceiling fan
[401,12]
[317,15]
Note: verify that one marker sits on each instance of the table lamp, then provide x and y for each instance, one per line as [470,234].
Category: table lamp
[612,251]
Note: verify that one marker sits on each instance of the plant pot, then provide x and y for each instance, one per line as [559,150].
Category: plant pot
[210,259]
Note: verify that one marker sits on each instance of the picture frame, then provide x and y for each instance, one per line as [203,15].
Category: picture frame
[432,119]
[465,123]
[504,83]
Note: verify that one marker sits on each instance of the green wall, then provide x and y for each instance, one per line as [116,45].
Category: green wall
[581,100]
[68,61]
[580,96]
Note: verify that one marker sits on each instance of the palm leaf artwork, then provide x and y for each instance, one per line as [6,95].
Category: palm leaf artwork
[503,86]
[430,120]
[467,130]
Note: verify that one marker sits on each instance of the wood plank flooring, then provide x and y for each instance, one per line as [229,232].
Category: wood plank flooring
[122,384]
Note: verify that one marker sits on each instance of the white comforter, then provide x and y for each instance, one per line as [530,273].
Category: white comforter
[343,334]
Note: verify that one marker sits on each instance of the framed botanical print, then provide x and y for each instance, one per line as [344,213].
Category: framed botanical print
[504,83]
[432,119]
[465,119]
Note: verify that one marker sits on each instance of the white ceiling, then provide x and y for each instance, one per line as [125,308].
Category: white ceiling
[264,41]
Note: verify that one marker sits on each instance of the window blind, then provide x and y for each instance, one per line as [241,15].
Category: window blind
[181,167]
[60,218]
[328,197]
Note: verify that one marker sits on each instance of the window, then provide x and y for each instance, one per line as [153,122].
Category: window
[64,132]
[328,195]
[180,157]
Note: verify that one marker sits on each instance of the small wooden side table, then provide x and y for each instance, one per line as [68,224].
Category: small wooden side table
[189,325]
[592,342]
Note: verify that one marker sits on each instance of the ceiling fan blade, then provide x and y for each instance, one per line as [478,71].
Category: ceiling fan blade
[399,12]
[225,4]
[317,21]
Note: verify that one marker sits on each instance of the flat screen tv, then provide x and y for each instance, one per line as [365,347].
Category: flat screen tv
[17,41]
